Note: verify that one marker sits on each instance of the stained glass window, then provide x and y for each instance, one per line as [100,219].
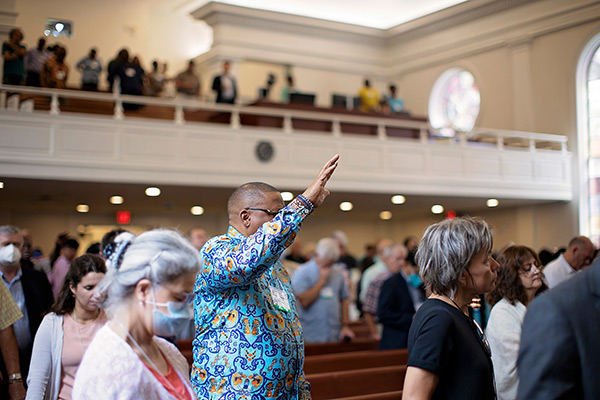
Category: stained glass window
[454,102]
[593,103]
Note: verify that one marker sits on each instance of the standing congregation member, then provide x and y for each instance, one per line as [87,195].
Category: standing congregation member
[578,255]
[519,280]
[249,341]
[324,296]
[34,62]
[449,357]
[225,86]
[9,314]
[558,357]
[67,331]
[90,67]
[13,53]
[148,285]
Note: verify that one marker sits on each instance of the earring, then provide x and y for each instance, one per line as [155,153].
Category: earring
[463,284]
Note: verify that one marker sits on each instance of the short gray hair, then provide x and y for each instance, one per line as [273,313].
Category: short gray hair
[328,249]
[11,230]
[160,255]
[447,248]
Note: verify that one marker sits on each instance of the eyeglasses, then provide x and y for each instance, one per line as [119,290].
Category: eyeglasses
[265,210]
[528,268]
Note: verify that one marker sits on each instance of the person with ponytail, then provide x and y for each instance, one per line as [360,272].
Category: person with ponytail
[148,288]
[66,331]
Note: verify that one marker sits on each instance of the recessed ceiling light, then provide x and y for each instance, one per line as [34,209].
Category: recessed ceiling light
[152,191]
[82,208]
[385,215]
[1,185]
[492,203]
[398,199]
[287,196]
[437,209]
[116,200]
[197,210]
[346,206]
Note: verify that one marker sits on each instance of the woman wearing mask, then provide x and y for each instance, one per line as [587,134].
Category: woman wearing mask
[449,357]
[519,281]
[150,282]
[66,332]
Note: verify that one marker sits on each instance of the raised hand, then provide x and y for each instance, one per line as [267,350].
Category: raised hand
[316,192]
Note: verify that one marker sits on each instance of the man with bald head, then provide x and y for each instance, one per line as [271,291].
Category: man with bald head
[249,342]
[578,255]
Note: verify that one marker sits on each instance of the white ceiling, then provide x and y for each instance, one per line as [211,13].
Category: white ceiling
[381,14]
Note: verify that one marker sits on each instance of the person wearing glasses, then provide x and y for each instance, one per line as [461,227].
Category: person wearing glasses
[249,342]
[148,287]
[519,281]
[449,357]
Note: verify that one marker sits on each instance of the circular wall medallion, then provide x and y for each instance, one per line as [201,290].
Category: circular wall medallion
[264,151]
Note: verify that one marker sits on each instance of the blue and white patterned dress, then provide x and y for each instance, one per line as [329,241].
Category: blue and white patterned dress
[246,347]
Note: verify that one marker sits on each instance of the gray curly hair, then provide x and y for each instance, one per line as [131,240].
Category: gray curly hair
[160,255]
[446,250]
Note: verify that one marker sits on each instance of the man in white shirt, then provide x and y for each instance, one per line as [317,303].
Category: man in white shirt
[577,256]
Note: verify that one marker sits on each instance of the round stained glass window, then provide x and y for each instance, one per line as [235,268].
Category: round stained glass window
[454,102]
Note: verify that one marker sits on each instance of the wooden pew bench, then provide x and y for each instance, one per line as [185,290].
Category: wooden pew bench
[313,349]
[354,360]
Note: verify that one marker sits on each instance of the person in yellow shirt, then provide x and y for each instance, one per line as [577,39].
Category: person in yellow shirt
[369,98]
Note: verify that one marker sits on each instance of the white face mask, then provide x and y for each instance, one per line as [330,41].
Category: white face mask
[10,255]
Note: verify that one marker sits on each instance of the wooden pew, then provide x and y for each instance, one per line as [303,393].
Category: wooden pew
[354,360]
[313,349]
[395,395]
[360,382]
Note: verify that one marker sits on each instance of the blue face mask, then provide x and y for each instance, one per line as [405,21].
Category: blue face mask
[415,280]
[174,321]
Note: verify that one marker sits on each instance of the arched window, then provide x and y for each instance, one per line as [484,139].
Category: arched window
[454,102]
[588,133]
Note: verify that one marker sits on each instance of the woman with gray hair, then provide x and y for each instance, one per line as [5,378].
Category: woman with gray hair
[148,288]
[449,357]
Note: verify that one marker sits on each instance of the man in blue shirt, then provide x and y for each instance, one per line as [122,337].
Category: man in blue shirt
[248,341]
[321,289]
[90,67]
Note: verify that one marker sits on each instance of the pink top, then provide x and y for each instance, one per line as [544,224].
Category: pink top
[73,350]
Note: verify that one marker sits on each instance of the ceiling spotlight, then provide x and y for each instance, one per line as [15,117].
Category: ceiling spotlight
[287,196]
[116,200]
[385,215]
[1,185]
[437,209]
[197,210]
[398,199]
[492,203]
[346,206]
[152,191]
[82,208]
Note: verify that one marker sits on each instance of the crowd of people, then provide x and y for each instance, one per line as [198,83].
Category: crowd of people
[104,323]
[46,66]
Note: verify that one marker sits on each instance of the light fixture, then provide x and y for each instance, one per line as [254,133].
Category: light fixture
[287,196]
[437,209]
[398,199]
[152,191]
[82,208]
[1,185]
[492,203]
[346,206]
[385,215]
[197,210]
[116,200]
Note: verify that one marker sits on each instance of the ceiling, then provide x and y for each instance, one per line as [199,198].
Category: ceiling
[53,196]
[381,14]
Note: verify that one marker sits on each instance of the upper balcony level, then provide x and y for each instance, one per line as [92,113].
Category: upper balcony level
[74,135]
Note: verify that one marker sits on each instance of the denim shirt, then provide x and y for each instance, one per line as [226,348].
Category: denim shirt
[246,347]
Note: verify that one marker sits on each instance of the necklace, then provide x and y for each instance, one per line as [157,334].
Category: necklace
[79,331]
[151,363]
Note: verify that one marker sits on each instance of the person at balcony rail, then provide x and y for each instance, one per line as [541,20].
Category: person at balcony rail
[55,71]
[188,83]
[67,331]
[90,67]
[393,104]
[34,62]
[225,86]
[148,286]
[13,53]
[249,341]
[321,289]
[369,97]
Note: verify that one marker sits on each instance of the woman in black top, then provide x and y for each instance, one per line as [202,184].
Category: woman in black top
[449,357]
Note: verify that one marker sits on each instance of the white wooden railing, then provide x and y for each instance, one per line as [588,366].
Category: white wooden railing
[501,138]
